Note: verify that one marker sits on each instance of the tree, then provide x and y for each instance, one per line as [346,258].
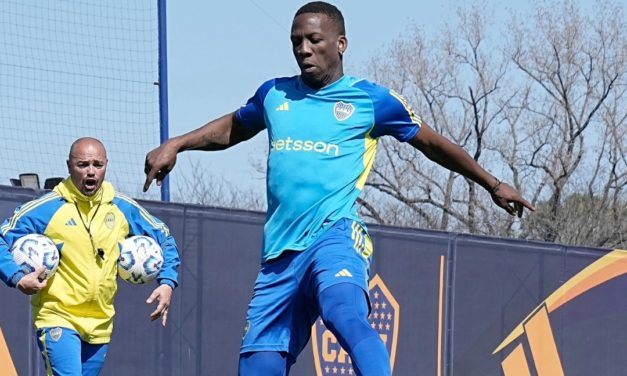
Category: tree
[546,111]
[200,187]
[456,80]
[573,111]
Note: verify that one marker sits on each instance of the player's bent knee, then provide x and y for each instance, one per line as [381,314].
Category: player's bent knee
[344,310]
[348,328]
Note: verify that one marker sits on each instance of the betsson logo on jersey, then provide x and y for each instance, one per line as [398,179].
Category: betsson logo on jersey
[289,144]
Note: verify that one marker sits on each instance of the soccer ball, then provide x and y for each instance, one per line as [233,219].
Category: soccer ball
[33,251]
[141,259]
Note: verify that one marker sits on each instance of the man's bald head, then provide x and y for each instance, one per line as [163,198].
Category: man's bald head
[83,142]
[87,164]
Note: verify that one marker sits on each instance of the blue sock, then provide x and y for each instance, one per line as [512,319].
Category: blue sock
[344,310]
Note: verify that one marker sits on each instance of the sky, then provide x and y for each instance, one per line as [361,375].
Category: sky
[219,53]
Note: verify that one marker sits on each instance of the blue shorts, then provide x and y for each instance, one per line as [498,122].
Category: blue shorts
[284,305]
[65,353]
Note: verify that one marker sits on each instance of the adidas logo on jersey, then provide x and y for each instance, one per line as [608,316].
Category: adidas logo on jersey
[71,222]
[284,107]
[344,273]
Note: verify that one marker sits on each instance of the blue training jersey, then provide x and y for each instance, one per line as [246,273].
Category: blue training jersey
[322,146]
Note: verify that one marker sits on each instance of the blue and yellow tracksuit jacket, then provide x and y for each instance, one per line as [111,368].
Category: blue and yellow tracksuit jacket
[80,294]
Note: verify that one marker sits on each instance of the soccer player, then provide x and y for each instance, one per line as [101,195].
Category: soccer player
[84,215]
[323,128]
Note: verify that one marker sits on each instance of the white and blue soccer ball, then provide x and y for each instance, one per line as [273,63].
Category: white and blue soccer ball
[141,259]
[33,251]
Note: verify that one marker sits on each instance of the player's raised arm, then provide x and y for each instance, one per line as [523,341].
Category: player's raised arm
[452,156]
[218,134]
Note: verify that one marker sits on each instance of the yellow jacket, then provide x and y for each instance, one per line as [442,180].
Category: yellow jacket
[80,294]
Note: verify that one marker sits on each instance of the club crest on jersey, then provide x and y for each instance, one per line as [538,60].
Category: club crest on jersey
[55,333]
[110,220]
[343,111]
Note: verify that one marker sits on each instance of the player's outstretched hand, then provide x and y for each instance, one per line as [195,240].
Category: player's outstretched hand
[32,283]
[505,196]
[159,162]
[162,294]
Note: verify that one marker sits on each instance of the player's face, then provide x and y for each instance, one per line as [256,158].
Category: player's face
[318,47]
[87,167]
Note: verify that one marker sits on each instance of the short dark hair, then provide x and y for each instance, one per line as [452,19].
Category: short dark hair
[327,9]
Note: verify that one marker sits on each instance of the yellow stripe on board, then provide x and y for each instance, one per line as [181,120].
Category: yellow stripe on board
[542,344]
[7,368]
[440,315]
[516,363]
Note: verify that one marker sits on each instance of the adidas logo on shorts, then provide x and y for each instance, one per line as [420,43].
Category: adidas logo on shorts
[344,273]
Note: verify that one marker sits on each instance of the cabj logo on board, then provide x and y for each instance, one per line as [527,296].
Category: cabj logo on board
[536,327]
[331,359]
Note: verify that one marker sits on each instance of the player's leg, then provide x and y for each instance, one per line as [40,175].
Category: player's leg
[344,310]
[61,350]
[342,262]
[265,363]
[279,319]
[93,358]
